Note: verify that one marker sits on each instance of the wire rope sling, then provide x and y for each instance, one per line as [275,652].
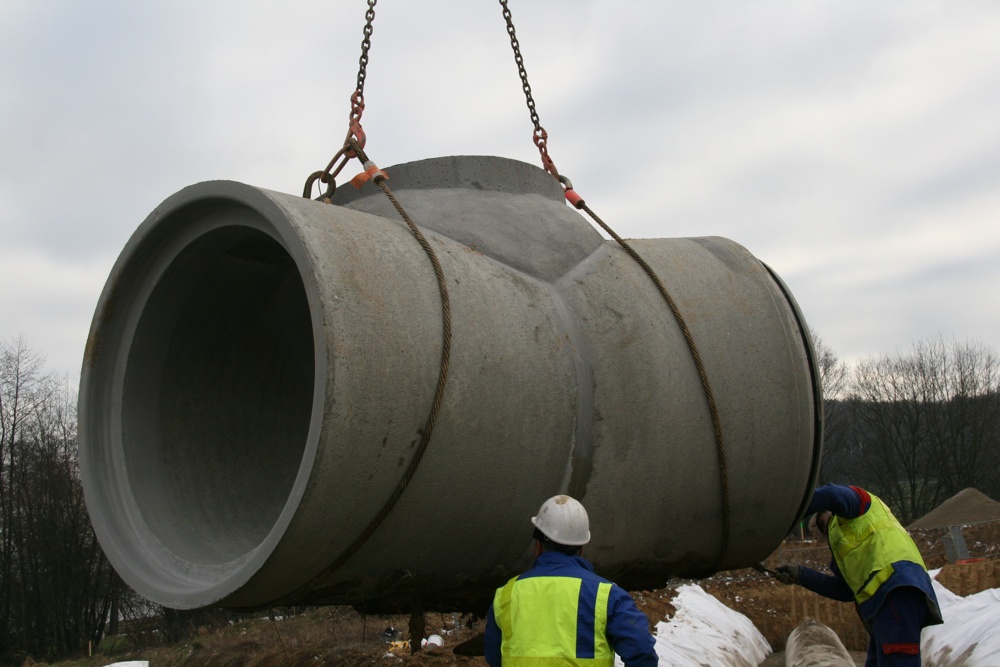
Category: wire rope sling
[358,397]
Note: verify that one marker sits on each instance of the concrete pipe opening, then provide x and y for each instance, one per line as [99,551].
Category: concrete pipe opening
[197,422]
[219,387]
[261,367]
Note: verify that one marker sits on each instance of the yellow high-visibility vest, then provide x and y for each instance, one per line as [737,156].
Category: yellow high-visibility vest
[547,621]
[866,547]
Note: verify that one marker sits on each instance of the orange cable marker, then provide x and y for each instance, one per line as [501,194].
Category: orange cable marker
[371,169]
[573,198]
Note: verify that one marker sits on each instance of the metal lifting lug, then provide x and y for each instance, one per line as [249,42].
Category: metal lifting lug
[575,200]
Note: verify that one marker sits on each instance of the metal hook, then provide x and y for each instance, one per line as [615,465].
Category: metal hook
[323,177]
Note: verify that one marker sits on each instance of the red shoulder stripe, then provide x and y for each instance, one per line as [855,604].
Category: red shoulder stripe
[866,499]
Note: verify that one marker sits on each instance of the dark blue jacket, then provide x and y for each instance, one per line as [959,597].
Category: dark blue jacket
[627,627]
[849,502]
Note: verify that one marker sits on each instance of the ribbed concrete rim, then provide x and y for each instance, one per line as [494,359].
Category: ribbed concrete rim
[141,503]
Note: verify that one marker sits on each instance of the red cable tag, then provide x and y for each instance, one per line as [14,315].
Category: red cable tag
[370,171]
[573,198]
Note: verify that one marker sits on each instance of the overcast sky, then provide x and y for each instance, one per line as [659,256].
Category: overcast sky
[853,146]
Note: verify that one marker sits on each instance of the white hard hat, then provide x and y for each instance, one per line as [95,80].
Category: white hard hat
[564,521]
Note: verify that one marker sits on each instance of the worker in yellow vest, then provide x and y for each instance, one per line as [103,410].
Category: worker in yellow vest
[878,567]
[559,611]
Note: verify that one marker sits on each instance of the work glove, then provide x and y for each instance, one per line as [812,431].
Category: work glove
[787,574]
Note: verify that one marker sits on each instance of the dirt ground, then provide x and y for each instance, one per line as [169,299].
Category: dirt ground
[968,506]
[776,609]
[339,636]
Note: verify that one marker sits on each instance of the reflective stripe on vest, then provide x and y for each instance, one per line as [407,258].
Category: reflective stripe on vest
[866,547]
[553,621]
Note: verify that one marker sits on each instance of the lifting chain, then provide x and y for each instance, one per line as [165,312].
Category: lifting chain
[541,141]
[358,97]
[540,136]
[354,148]
[353,145]
[355,134]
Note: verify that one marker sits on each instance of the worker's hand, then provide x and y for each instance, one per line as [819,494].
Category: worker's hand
[787,574]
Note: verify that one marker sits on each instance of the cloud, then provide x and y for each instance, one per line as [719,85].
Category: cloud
[50,302]
[852,147]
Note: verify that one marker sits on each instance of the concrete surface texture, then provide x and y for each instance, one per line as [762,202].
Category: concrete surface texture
[261,367]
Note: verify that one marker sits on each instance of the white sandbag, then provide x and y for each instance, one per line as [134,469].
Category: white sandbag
[706,632]
[968,636]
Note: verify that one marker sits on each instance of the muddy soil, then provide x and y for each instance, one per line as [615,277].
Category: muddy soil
[776,610]
[323,636]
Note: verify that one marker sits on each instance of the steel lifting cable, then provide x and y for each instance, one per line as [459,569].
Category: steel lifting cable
[540,137]
[695,355]
[378,177]
[353,147]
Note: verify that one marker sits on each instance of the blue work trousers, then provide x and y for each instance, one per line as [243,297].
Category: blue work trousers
[895,630]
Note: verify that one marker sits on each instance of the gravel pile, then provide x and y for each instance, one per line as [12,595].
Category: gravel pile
[965,507]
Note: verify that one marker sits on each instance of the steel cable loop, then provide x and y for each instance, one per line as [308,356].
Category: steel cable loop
[353,147]
[540,137]
[702,374]
[425,436]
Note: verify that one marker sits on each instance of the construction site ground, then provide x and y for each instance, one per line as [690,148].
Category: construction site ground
[341,636]
[776,609]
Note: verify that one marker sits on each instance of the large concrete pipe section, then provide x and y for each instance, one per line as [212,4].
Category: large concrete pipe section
[260,367]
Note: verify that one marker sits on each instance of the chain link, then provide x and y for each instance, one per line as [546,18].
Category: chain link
[358,98]
[353,145]
[355,133]
[354,130]
[540,136]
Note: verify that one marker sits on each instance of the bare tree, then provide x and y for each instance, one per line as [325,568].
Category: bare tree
[890,424]
[927,423]
[56,584]
[23,388]
[834,376]
[963,398]
[834,373]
